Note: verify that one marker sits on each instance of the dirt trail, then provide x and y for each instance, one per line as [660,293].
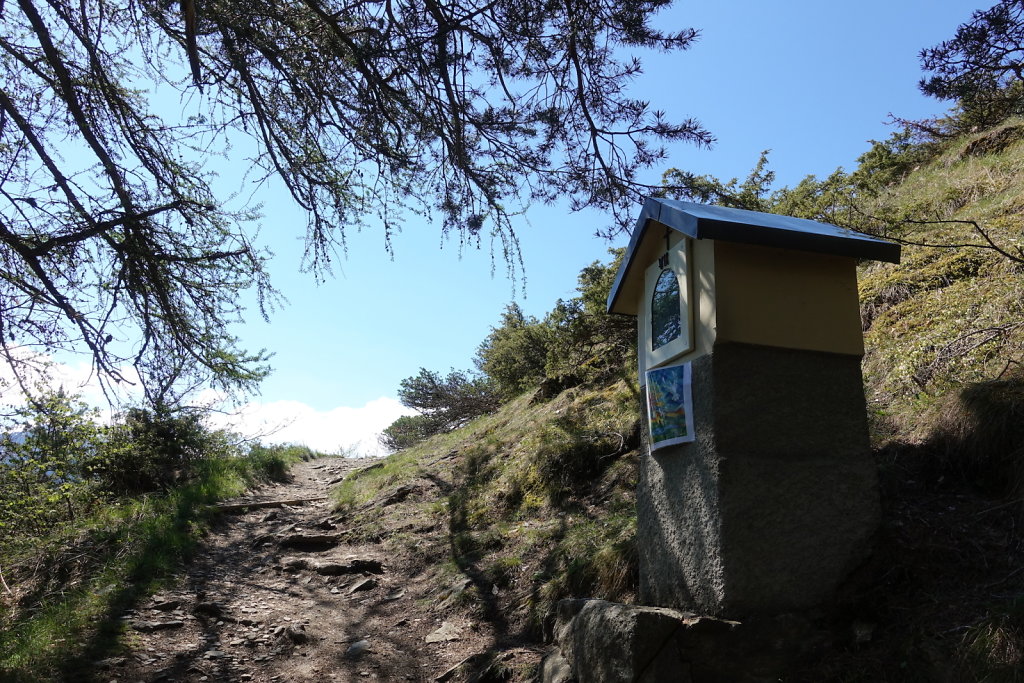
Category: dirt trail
[276,595]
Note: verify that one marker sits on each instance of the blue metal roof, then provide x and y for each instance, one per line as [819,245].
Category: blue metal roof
[700,221]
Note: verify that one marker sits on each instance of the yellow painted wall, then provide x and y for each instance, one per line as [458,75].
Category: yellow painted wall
[786,298]
[755,295]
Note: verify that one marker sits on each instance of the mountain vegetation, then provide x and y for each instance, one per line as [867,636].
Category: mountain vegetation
[533,502]
[444,403]
[982,66]
[94,517]
[577,342]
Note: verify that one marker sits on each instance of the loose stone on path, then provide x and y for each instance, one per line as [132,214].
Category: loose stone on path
[446,633]
[236,614]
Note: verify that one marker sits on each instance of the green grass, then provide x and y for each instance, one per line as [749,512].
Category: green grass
[361,486]
[109,560]
[946,317]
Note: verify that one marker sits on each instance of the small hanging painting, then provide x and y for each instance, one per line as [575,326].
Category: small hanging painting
[670,406]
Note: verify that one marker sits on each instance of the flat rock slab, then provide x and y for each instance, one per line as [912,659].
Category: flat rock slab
[398,495]
[296,563]
[365,564]
[447,632]
[310,542]
[375,466]
[295,634]
[604,642]
[364,585]
[215,610]
[110,662]
[357,565]
[151,626]
[245,506]
[339,568]
[356,649]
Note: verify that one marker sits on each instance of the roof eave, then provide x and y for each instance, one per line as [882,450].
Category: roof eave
[650,210]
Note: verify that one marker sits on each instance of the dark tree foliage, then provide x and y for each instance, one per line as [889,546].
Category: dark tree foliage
[444,403]
[452,400]
[586,342]
[408,431]
[753,194]
[577,342]
[832,199]
[514,355]
[112,238]
[152,449]
[981,67]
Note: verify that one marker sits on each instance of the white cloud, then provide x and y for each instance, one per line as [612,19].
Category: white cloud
[77,378]
[348,429]
[332,431]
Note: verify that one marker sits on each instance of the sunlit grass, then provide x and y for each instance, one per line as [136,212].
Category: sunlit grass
[945,317]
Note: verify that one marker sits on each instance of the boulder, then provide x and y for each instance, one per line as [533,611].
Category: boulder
[604,642]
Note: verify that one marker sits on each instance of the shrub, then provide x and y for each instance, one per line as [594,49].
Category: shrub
[272,462]
[450,401]
[151,449]
[408,431]
[586,342]
[444,402]
[514,355]
[751,194]
[888,162]
[47,454]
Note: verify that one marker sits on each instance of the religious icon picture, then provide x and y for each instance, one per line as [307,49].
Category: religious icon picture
[670,405]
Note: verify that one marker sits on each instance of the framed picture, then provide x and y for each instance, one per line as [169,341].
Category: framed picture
[670,406]
[666,317]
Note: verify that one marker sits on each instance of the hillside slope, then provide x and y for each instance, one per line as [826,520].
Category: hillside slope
[512,512]
[535,502]
[948,315]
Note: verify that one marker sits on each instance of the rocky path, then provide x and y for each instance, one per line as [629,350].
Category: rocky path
[276,596]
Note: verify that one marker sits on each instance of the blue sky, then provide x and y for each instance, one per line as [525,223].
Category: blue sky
[812,81]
